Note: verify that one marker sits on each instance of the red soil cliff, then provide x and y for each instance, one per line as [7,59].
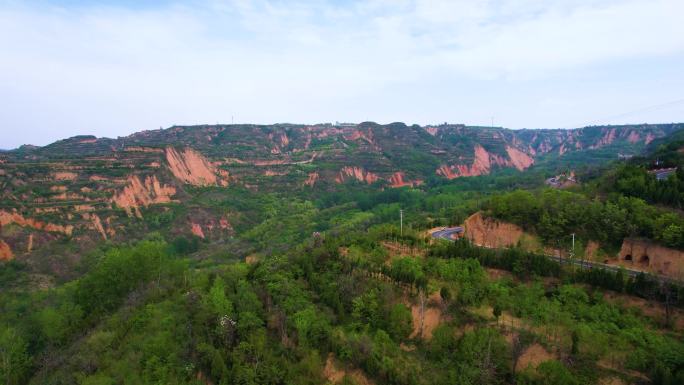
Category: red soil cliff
[138,193]
[191,167]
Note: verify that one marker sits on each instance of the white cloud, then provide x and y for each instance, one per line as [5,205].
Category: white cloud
[586,35]
[122,69]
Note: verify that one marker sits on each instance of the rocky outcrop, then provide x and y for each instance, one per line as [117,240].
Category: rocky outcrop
[311,179]
[397,180]
[357,173]
[95,224]
[196,229]
[633,137]
[284,140]
[648,256]
[432,130]
[483,162]
[7,218]
[491,233]
[5,251]
[519,159]
[204,225]
[191,167]
[606,139]
[448,172]
[138,194]
[360,134]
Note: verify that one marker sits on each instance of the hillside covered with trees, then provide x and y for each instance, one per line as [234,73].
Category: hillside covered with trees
[184,279]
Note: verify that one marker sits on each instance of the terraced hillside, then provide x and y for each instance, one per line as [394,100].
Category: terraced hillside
[93,189]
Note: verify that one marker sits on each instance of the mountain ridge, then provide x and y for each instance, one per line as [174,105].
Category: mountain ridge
[101,188]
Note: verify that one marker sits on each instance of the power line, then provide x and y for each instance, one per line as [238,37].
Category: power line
[654,107]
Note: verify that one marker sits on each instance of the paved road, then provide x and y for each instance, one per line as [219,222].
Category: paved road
[448,232]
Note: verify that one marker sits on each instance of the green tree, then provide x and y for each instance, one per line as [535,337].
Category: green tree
[312,328]
[496,311]
[445,294]
[554,373]
[217,300]
[14,359]
[56,324]
[400,323]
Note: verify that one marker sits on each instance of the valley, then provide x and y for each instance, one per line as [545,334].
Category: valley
[354,254]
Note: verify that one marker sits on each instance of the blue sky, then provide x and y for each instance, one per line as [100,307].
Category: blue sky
[112,68]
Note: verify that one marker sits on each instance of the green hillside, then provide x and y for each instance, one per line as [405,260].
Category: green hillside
[249,254]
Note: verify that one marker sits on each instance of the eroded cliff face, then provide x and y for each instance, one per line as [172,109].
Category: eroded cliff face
[311,179]
[196,229]
[139,193]
[483,162]
[7,218]
[357,173]
[648,256]
[633,137]
[94,223]
[206,225]
[365,135]
[5,251]
[491,233]
[397,179]
[190,167]
[519,159]
[607,138]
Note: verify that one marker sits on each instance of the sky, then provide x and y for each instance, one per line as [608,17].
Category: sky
[111,68]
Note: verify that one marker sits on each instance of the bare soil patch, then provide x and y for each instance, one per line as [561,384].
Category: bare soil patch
[534,355]
[335,373]
[612,381]
[496,274]
[431,319]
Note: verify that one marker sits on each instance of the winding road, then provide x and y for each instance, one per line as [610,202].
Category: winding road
[447,233]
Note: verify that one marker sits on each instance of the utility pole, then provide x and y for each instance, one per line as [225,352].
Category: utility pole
[573,246]
[572,251]
[401,222]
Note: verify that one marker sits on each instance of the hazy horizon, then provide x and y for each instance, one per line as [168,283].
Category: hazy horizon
[112,68]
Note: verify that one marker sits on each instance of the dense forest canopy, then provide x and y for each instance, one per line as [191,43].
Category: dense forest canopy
[555,214]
